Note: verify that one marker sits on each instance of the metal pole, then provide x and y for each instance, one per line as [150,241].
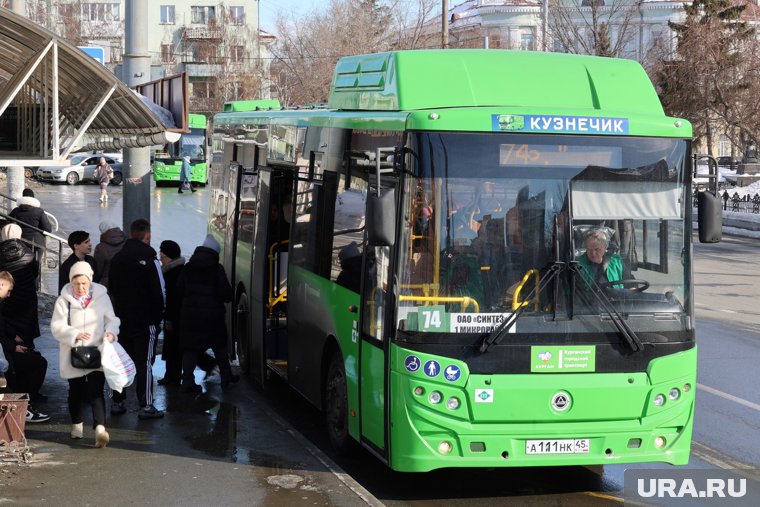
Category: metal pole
[445,24]
[136,71]
[15,174]
[544,24]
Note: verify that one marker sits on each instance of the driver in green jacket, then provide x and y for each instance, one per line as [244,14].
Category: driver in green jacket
[596,264]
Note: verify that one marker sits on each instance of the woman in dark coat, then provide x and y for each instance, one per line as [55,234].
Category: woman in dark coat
[204,289]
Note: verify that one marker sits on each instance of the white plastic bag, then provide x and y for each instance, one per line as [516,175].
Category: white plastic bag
[118,367]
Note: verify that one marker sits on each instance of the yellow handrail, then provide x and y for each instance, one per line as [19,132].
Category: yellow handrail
[272,300]
[516,303]
[464,300]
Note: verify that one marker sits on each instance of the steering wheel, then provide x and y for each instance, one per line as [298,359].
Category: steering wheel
[633,284]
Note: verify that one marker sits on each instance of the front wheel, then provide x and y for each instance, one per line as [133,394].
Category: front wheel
[336,405]
[72,178]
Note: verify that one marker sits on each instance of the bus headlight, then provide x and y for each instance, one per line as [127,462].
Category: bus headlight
[444,447]
[674,394]
[659,400]
[660,442]
[452,403]
[435,397]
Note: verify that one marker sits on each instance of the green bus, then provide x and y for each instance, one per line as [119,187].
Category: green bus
[168,162]
[410,258]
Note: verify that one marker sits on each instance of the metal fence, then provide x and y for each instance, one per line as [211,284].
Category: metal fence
[737,203]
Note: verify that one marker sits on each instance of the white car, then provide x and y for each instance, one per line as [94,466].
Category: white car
[81,169]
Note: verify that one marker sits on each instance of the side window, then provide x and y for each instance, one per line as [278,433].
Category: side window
[348,232]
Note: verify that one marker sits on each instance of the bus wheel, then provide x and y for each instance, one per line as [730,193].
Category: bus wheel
[336,405]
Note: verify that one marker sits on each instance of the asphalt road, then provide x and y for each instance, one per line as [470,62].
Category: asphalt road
[727,421]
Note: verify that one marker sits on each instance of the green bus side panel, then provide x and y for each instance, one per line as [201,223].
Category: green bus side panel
[250,105]
[373,394]
[425,79]
[170,172]
[329,312]
[497,414]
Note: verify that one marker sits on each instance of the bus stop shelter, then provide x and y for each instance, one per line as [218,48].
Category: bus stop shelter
[55,99]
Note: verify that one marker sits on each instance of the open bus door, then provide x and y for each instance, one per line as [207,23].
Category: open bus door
[376,308]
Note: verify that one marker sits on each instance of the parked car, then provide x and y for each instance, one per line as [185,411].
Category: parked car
[727,162]
[81,169]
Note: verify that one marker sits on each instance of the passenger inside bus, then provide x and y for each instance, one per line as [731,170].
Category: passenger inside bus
[350,258]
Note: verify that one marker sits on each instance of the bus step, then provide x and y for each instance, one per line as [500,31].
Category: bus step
[279,366]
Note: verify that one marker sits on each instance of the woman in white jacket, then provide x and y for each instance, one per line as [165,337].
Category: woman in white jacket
[83,315]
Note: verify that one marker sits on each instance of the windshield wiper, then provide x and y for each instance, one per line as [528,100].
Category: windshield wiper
[502,329]
[628,334]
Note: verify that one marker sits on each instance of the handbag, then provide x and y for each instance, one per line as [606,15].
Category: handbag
[85,357]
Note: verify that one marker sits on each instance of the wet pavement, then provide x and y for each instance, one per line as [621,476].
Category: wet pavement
[223,447]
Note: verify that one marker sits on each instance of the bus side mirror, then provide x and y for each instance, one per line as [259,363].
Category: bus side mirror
[381,218]
[710,217]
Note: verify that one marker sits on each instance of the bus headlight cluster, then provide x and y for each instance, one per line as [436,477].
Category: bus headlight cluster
[452,403]
[659,400]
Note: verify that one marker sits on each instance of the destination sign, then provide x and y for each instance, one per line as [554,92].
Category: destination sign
[559,124]
[562,155]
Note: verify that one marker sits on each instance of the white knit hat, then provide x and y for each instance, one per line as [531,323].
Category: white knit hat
[81,268]
[11,231]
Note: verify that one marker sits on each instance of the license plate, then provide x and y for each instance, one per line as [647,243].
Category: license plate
[564,446]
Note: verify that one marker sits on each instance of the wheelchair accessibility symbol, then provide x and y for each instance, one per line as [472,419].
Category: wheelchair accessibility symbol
[412,363]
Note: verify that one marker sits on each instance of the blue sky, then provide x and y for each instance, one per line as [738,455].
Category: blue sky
[269,9]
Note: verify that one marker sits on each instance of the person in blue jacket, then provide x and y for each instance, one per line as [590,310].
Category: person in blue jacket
[184,174]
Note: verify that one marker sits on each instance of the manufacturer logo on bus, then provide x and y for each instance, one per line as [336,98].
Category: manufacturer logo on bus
[561,401]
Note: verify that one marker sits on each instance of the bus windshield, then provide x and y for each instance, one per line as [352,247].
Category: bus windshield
[192,144]
[569,231]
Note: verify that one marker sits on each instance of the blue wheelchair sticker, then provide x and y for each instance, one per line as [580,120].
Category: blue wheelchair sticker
[412,363]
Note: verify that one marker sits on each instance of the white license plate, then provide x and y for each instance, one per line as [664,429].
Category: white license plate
[564,446]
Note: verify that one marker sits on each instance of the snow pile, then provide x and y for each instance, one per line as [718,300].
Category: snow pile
[163,114]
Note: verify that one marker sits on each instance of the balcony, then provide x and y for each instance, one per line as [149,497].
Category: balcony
[200,69]
[203,32]
[205,104]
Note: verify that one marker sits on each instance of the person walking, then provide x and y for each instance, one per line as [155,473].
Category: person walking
[103,174]
[20,311]
[204,289]
[112,239]
[137,286]
[34,220]
[83,315]
[184,175]
[79,242]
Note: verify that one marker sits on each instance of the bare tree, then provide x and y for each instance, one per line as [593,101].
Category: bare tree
[714,80]
[593,27]
[309,46]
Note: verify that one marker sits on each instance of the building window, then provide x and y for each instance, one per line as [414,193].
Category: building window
[101,11]
[202,15]
[237,15]
[237,54]
[203,90]
[167,14]
[205,54]
[66,13]
[527,40]
[167,53]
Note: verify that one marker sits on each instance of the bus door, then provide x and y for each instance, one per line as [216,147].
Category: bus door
[375,312]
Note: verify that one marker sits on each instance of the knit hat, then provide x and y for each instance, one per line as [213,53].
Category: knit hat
[81,268]
[28,192]
[211,243]
[106,226]
[10,231]
[170,249]
[349,251]
[77,237]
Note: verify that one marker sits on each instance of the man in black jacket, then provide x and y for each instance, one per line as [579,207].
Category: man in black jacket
[137,287]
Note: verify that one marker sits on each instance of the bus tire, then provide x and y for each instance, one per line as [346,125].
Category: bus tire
[336,405]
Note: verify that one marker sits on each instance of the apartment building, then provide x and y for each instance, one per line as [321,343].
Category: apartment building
[219,44]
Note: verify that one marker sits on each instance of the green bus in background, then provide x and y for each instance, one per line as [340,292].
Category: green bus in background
[167,163]
[412,258]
